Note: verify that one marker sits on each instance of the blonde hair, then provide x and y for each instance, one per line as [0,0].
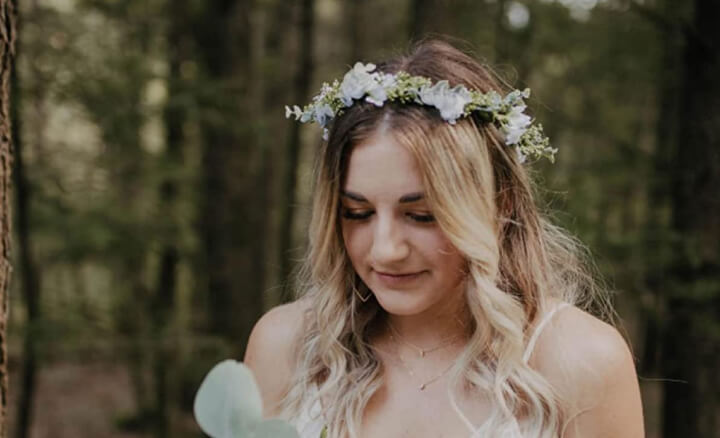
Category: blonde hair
[483,200]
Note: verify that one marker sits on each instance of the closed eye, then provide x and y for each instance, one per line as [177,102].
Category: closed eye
[422,217]
[362,215]
[347,214]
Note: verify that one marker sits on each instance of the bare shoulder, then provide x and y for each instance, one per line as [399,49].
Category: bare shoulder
[270,351]
[590,366]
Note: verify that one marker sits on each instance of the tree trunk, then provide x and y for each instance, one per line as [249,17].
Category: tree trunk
[292,152]
[691,350]
[659,188]
[502,34]
[421,14]
[7,54]
[29,273]
[355,27]
[233,217]
[514,46]
[164,299]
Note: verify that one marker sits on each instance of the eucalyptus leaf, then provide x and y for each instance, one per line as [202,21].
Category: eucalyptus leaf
[274,428]
[229,405]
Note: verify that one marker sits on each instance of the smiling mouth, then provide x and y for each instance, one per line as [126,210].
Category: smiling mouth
[388,274]
[392,280]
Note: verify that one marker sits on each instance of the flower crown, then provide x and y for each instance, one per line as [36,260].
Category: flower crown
[507,113]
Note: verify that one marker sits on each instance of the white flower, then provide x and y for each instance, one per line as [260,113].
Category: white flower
[388,80]
[450,101]
[376,95]
[516,123]
[326,134]
[520,155]
[325,90]
[357,82]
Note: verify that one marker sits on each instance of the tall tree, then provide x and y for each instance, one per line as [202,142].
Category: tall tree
[164,299]
[292,152]
[7,54]
[656,234]
[29,272]
[355,26]
[233,213]
[691,341]
[420,18]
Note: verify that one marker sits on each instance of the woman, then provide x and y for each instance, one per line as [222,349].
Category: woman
[435,300]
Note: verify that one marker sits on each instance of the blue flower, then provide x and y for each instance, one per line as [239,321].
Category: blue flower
[323,114]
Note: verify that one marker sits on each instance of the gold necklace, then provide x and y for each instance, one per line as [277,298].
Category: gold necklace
[422,385]
[421,350]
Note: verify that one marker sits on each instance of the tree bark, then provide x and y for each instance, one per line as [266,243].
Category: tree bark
[7,55]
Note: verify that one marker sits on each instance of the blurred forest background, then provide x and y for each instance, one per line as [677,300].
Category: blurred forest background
[161,197]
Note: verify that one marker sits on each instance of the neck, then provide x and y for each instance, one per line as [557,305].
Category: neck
[446,323]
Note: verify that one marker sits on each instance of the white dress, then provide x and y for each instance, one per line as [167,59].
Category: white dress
[310,422]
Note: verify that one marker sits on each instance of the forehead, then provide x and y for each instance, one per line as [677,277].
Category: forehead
[381,166]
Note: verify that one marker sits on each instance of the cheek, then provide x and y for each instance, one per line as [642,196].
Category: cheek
[435,244]
[448,258]
[354,241]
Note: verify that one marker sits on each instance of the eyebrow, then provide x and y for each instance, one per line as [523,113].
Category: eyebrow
[404,199]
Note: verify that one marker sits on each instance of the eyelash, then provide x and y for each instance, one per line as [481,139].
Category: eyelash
[422,218]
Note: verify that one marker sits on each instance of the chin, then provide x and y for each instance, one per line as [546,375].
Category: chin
[402,302]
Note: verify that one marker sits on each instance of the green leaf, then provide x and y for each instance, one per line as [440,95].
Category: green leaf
[228,405]
[274,428]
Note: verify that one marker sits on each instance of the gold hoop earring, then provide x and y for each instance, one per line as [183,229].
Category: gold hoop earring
[363,299]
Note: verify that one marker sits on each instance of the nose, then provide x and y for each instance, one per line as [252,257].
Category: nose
[389,243]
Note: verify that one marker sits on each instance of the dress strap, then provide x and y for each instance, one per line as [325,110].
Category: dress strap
[536,334]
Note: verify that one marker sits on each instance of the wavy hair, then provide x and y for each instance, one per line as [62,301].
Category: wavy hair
[484,201]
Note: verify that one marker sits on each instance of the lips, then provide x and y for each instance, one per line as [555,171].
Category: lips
[390,274]
[397,279]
